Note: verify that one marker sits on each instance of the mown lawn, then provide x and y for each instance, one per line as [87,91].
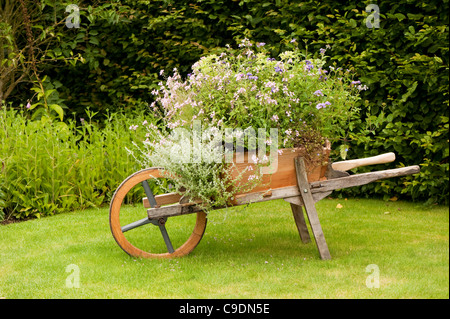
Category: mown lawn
[254,252]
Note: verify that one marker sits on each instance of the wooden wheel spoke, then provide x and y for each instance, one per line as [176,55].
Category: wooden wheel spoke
[162,227]
[151,199]
[135,224]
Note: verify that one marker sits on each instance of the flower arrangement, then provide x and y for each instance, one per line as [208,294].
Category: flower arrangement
[246,88]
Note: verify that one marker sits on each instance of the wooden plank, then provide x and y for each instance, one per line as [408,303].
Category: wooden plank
[361,179]
[262,196]
[299,218]
[163,199]
[305,191]
[173,210]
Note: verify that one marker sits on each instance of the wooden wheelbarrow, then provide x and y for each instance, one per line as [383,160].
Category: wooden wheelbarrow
[294,182]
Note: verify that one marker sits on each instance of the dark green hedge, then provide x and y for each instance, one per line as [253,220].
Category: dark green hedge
[404,63]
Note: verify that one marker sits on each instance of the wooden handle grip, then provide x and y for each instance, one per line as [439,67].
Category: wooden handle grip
[350,164]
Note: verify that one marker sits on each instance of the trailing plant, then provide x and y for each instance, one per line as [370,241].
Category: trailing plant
[196,170]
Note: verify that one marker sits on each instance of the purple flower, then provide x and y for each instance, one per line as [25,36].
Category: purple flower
[322,51]
[309,66]
[270,59]
[322,105]
[356,82]
[28,105]
[278,69]
[318,93]
[293,40]
[260,44]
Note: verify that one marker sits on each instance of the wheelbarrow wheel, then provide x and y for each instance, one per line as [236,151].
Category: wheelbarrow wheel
[137,235]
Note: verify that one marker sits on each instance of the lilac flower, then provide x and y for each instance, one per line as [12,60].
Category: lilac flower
[356,82]
[260,44]
[28,105]
[322,51]
[270,59]
[275,118]
[145,122]
[239,76]
[133,127]
[251,76]
[322,105]
[309,67]
[293,40]
[318,93]
[278,69]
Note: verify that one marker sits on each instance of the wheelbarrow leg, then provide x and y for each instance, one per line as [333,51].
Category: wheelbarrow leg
[299,218]
[310,208]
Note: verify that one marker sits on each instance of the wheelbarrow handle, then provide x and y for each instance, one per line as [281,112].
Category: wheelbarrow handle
[350,164]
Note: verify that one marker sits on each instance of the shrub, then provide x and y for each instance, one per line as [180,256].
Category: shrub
[50,166]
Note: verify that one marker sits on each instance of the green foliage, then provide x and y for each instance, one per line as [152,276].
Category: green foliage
[123,44]
[50,166]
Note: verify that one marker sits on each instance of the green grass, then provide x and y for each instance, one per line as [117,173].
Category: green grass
[250,253]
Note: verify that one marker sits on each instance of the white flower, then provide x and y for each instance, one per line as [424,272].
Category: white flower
[275,118]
